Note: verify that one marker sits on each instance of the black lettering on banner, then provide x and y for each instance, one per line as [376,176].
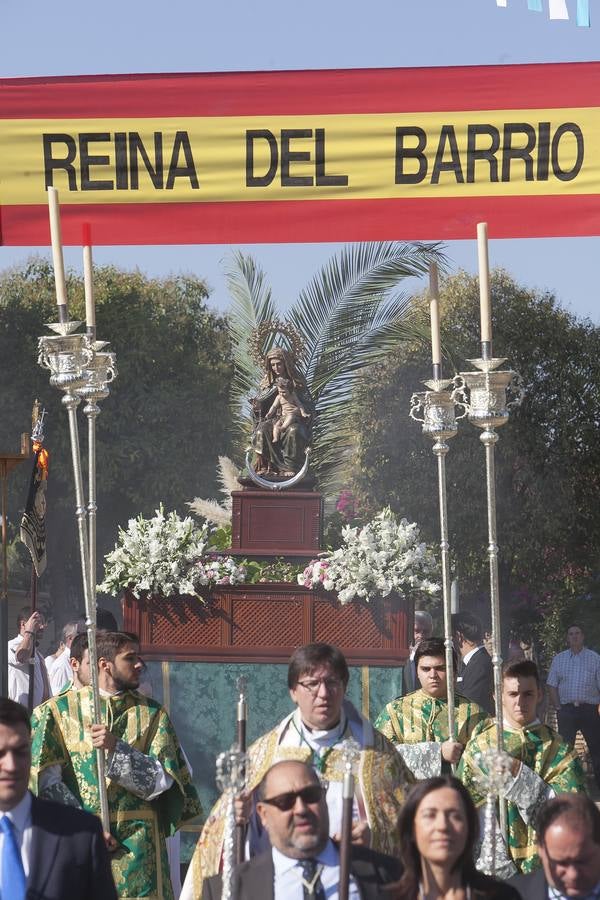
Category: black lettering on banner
[86,160]
[262,134]
[543,151]
[575,130]
[51,162]
[447,136]
[182,143]
[321,179]
[290,156]
[477,154]
[509,152]
[403,153]
[155,170]
[121,170]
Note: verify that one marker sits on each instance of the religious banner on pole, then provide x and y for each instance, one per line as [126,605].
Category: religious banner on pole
[33,522]
[340,155]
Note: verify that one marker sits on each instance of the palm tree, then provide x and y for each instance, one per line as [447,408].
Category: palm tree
[350,317]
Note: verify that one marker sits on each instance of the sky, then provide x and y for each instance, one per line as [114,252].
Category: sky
[64,38]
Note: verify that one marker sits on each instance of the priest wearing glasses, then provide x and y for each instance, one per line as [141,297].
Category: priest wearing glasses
[314,734]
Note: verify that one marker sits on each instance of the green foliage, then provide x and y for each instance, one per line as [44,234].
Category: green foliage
[547,462]
[160,430]
[350,317]
[220,538]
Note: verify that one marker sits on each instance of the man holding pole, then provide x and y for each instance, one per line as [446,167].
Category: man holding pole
[20,650]
[544,765]
[303,861]
[418,723]
[315,734]
[150,792]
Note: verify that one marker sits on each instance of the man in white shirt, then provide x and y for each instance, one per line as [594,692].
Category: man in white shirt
[303,861]
[61,670]
[568,833]
[29,624]
[46,850]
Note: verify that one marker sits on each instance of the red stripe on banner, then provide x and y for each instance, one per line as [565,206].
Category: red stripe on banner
[340,91]
[306,221]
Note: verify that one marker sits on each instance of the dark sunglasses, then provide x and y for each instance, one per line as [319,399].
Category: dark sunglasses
[285,802]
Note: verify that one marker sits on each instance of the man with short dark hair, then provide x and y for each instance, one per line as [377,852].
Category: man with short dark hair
[476,674]
[293,810]
[568,835]
[79,661]
[418,724]
[47,851]
[29,625]
[150,791]
[314,733]
[574,688]
[544,765]
[61,670]
[422,631]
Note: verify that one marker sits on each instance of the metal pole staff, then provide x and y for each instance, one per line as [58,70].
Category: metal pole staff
[231,779]
[439,424]
[488,409]
[242,720]
[350,754]
[67,356]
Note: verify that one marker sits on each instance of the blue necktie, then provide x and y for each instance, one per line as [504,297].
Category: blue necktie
[13,875]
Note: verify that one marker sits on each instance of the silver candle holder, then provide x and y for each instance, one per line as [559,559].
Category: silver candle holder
[493,779]
[438,408]
[485,395]
[231,781]
[70,358]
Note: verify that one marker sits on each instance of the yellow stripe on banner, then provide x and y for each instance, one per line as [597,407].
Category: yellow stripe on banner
[366,699]
[166,683]
[529,152]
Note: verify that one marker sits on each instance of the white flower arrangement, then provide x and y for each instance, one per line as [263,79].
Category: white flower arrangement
[383,556]
[166,555]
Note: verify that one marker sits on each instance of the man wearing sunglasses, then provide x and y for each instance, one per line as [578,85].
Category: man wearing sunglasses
[314,734]
[303,860]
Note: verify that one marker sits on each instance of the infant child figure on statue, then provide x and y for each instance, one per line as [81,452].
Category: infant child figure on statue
[286,409]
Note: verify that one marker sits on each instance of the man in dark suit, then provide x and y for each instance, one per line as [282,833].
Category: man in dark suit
[303,861]
[476,675]
[568,835]
[47,851]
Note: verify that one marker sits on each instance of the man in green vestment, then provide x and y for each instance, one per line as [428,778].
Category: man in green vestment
[150,793]
[544,765]
[418,723]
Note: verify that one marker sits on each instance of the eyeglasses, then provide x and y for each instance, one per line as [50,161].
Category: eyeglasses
[285,802]
[313,685]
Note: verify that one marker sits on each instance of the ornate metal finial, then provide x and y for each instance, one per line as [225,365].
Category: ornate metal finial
[231,780]
[241,685]
[493,779]
[350,754]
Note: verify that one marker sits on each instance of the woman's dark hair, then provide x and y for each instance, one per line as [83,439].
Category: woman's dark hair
[309,657]
[408,886]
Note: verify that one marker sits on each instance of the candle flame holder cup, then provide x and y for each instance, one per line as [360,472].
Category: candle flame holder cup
[438,421]
[65,356]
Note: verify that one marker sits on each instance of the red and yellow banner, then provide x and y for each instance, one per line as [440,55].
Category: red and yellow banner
[303,156]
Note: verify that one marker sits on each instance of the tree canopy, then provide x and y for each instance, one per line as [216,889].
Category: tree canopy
[160,431]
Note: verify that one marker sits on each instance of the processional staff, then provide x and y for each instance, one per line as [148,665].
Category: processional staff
[350,754]
[75,369]
[484,393]
[439,424]
[242,719]
[231,780]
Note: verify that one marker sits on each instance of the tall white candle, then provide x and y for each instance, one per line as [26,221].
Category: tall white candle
[434,314]
[485,306]
[57,252]
[88,279]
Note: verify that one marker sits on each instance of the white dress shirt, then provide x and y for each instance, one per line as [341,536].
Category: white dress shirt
[20,816]
[288,875]
[62,672]
[18,675]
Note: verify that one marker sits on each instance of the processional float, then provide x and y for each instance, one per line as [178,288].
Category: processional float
[486,397]
[81,368]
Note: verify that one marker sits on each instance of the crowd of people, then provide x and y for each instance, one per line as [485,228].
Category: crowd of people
[418,801]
